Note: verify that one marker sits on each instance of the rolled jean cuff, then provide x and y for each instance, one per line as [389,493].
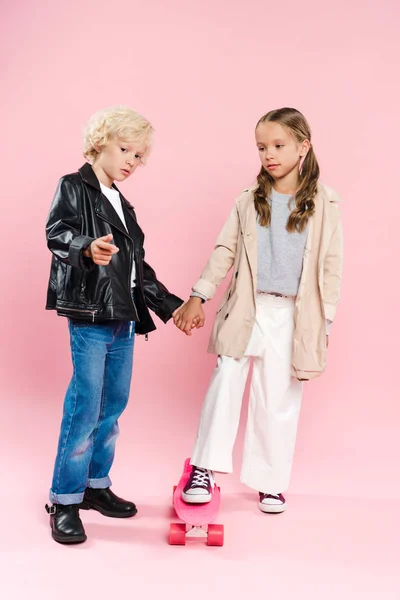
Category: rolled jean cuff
[99,484]
[65,498]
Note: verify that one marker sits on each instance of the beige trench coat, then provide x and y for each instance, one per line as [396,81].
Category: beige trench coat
[319,290]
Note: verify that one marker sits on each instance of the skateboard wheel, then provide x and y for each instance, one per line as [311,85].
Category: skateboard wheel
[215,535]
[177,534]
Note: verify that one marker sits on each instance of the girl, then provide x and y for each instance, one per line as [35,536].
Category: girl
[101,282]
[283,239]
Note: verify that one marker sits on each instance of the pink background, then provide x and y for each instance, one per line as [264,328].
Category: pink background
[203,73]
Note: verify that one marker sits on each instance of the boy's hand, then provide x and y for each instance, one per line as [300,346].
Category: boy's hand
[190,315]
[101,251]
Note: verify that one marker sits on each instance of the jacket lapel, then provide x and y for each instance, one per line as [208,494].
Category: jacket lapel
[248,222]
[106,211]
[135,231]
[331,218]
[102,205]
[323,231]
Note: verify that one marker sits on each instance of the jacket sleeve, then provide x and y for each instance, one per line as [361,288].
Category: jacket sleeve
[333,265]
[63,227]
[157,297]
[221,259]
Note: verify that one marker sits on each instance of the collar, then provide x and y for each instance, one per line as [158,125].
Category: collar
[90,177]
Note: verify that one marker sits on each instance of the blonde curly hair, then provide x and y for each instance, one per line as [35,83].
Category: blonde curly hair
[120,121]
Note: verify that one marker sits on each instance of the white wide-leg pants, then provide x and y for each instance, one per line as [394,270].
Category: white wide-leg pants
[275,401]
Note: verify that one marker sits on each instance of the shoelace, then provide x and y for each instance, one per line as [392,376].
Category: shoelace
[201,478]
[275,496]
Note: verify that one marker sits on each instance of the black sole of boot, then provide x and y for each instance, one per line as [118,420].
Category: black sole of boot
[86,506]
[66,539]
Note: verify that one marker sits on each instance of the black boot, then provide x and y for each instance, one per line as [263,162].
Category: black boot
[66,526]
[107,503]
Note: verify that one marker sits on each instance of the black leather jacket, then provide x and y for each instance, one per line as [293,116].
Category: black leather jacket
[80,289]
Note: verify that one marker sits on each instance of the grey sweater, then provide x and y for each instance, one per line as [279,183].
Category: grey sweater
[280,253]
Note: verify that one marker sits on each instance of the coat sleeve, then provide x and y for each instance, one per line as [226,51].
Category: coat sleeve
[156,295]
[63,227]
[221,259]
[333,265]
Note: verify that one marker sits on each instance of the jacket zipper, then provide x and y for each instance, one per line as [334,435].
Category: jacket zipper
[132,254]
[132,258]
[130,282]
[83,310]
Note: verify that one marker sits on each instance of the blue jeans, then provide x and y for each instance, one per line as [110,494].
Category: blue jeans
[102,356]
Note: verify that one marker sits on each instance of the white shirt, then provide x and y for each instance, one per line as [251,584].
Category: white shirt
[115,201]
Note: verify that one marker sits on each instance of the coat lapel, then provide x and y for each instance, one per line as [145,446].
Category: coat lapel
[248,223]
[322,228]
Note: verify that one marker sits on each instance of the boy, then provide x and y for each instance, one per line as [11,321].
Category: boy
[101,282]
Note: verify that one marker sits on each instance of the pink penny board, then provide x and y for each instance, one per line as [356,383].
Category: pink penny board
[195,515]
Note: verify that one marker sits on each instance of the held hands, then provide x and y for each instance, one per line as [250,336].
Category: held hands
[189,315]
[186,318]
[101,250]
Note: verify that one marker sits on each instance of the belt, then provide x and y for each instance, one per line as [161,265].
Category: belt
[275,294]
